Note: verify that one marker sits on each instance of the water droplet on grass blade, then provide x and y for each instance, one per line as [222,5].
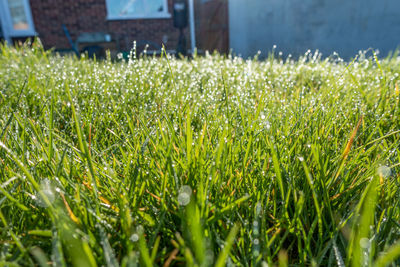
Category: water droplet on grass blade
[384,171]
[46,189]
[184,195]
[140,229]
[365,243]
[134,237]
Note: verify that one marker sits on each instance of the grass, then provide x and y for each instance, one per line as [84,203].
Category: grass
[210,161]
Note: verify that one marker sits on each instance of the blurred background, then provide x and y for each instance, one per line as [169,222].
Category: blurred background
[244,27]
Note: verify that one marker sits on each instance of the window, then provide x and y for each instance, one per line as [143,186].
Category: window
[19,20]
[137,9]
[16,18]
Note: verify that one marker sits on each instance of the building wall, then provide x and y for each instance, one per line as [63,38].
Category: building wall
[82,16]
[328,25]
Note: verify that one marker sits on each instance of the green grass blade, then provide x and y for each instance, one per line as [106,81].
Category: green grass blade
[223,255]
[389,256]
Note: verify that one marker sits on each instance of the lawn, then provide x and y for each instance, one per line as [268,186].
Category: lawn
[216,160]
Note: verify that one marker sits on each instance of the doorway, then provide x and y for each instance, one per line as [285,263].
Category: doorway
[211,20]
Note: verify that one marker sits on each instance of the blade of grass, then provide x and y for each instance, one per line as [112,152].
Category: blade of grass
[389,256]
[223,255]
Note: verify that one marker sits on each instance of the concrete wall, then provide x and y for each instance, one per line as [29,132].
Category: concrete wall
[344,26]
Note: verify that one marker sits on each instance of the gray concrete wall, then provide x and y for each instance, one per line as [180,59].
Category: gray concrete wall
[344,26]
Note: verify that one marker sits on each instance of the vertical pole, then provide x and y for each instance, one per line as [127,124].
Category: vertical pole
[3,22]
[191,25]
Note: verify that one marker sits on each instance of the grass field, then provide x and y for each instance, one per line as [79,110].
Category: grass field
[210,161]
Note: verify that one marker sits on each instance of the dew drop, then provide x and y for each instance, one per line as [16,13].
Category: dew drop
[134,238]
[384,171]
[184,195]
[46,189]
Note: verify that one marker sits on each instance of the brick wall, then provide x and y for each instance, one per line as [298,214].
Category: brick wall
[91,16]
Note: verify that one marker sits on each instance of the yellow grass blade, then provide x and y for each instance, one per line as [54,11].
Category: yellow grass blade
[351,139]
[348,147]
[70,213]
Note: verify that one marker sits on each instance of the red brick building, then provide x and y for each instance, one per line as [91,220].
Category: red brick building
[120,22]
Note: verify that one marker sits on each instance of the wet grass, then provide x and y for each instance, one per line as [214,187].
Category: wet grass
[211,161]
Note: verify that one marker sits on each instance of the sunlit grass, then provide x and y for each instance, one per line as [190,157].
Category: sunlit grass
[210,161]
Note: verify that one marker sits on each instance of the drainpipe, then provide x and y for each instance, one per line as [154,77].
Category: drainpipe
[191,25]
[6,36]
[3,23]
